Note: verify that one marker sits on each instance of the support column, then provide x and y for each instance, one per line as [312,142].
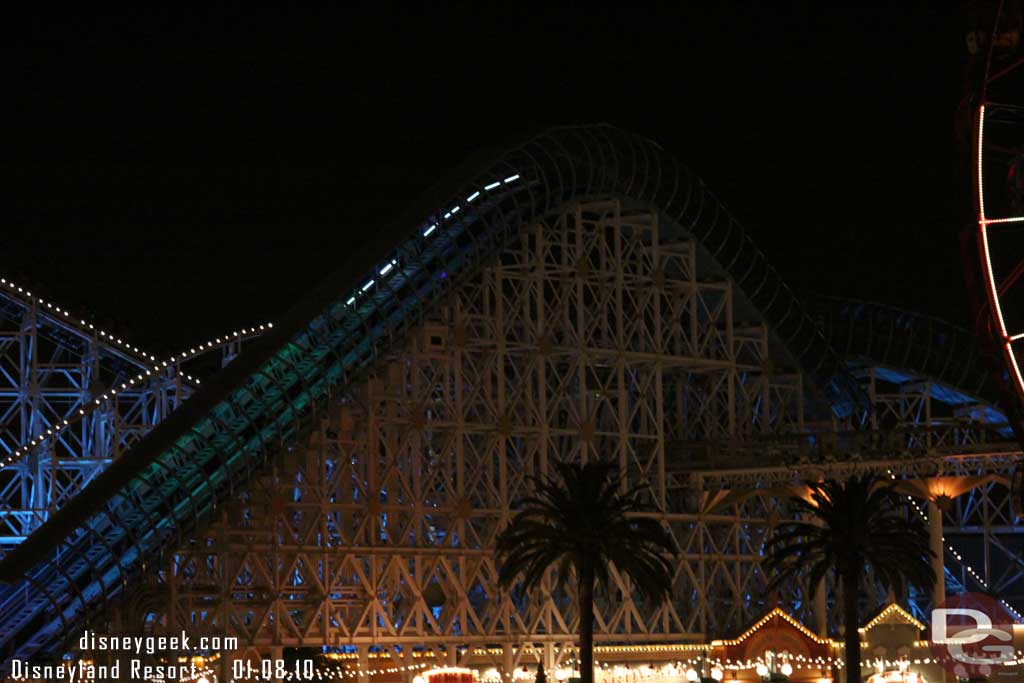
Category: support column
[452,653]
[276,655]
[935,538]
[549,660]
[506,661]
[227,661]
[408,663]
[364,664]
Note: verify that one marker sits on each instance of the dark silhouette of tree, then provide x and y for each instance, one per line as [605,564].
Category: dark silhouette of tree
[848,527]
[582,522]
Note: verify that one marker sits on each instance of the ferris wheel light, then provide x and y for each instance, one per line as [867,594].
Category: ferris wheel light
[981,184]
[993,292]
[787,669]
[717,674]
[986,255]
[997,221]
[691,675]
[762,670]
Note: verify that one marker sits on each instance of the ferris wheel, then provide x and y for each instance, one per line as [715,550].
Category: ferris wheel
[997,103]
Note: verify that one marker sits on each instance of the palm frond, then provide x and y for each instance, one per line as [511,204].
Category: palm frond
[853,524]
[582,515]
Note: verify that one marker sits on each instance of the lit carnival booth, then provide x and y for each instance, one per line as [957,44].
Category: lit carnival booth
[449,674]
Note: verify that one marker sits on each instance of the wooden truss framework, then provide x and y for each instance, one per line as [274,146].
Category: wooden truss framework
[589,338]
[602,329]
[594,335]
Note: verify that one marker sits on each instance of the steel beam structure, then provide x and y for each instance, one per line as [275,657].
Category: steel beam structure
[73,398]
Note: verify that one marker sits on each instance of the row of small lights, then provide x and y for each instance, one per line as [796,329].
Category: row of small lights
[192,353]
[685,669]
[811,662]
[760,665]
[893,608]
[432,227]
[650,648]
[777,612]
[969,568]
[890,664]
[82,324]
[335,673]
[617,673]
[719,667]
[701,647]
[791,662]
[383,655]
[797,661]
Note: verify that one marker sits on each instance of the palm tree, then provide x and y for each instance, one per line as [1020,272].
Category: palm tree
[850,526]
[581,521]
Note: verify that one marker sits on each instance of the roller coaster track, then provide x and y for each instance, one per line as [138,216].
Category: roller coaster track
[965,433]
[269,399]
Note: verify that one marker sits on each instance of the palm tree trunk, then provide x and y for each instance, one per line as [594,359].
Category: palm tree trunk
[585,594]
[851,621]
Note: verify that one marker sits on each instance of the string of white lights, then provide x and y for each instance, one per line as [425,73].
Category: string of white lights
[781,662]
[85,328]
[173,364]
[970,570]
[428,231]
[341,672]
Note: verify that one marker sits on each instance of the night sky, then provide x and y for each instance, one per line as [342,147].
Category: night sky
[186,172]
